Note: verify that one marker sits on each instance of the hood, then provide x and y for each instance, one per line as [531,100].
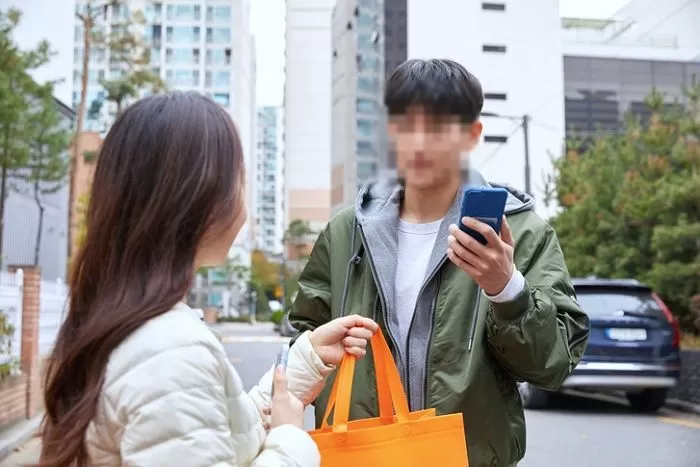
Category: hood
[377,195]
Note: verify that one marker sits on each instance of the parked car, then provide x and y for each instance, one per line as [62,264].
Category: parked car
[633,346]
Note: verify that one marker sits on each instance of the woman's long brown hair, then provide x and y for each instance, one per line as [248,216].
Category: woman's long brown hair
[171,170]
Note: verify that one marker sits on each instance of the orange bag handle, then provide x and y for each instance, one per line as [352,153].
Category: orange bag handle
[390,392]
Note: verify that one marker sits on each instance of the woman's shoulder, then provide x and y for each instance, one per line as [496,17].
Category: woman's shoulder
[165,340]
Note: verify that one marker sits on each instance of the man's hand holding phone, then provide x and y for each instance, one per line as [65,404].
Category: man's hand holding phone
[490,265]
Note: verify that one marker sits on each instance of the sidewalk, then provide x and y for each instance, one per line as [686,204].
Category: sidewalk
[18,444]
[27,454]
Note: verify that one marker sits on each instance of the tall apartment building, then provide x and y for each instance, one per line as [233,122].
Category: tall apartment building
[307,111]
[369,43]
[270,219]
[358,127]
[200,45]
[52,21]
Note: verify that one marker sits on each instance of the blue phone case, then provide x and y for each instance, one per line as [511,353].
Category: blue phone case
[485,204]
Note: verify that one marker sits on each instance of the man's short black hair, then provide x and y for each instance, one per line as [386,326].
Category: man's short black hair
[442,86]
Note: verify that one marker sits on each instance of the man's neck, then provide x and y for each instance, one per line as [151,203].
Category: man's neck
[421,206]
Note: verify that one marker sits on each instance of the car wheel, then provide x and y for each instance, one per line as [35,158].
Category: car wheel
[533,398]
[647,401]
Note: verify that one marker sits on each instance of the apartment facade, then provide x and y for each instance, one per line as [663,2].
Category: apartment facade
[307,111]
[369,42]
[200,45]
[358,127]
[270,222]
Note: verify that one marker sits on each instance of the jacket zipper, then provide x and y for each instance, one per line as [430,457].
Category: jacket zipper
[430,334]
[433,306]
[382,301]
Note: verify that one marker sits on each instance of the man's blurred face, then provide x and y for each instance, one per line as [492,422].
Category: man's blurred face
[429,146]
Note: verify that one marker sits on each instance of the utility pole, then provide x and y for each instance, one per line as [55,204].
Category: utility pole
[526,136]
[525,125]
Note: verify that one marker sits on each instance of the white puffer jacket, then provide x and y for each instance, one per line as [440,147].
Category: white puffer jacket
[171,398]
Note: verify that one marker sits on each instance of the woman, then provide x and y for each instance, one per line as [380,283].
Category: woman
[136,378]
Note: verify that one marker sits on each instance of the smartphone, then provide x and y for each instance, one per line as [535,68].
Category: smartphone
[282,358]
[486,205]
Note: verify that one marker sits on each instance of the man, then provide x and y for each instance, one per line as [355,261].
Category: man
[465,321]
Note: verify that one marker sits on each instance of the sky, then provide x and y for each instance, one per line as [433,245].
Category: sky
[268,24]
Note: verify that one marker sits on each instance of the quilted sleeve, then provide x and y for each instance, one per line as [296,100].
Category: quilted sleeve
[306,375]
[177,412]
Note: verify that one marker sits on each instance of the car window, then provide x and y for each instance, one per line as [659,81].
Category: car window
[606,302]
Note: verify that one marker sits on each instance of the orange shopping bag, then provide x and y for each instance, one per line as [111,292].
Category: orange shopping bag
[397,437]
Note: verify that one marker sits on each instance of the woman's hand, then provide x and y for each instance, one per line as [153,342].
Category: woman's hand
[286,409]
[342,335]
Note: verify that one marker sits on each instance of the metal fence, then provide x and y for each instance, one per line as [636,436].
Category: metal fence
[52,303]
[11,307]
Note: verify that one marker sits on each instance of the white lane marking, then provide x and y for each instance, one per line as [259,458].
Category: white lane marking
[254,339]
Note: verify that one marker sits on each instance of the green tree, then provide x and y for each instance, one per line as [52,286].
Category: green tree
[83,203]
[16,90]
[132,56]
[630,204]
[47,165]
[298,237]
[124,47]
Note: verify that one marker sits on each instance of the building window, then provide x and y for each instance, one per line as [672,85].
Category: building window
[366,128]
[495,96]
[366,106]
[218,35]
[181,34]
[153,13]
[365,149]
[495,139]
[493,48]
[367,84]
[218,13]
[218,79]
[120,12]
[182,77]
[367,63]
[366,170]
[183,13]
[219,57]
[488,6]
[116,73]
[221,98]
[182,56]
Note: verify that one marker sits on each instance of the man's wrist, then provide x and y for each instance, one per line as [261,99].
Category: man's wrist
[511,291]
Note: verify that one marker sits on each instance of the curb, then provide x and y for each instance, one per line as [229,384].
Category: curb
[18,434]
[683,406]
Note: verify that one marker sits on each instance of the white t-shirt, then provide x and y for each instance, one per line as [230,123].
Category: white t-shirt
[416,242]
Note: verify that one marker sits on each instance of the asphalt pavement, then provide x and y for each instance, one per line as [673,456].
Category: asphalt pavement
[576,431]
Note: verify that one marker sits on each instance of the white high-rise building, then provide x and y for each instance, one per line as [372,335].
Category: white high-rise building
[270,222]
[358,116]
[307,111]
[201,45]
[520,67]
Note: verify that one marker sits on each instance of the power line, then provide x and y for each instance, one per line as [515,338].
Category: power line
[498,149]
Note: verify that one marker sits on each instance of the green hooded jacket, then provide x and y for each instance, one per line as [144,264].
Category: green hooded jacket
[463,353]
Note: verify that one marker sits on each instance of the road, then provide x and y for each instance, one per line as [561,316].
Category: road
[576,431]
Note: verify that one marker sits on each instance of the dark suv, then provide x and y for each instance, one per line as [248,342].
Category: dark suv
[633,346]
